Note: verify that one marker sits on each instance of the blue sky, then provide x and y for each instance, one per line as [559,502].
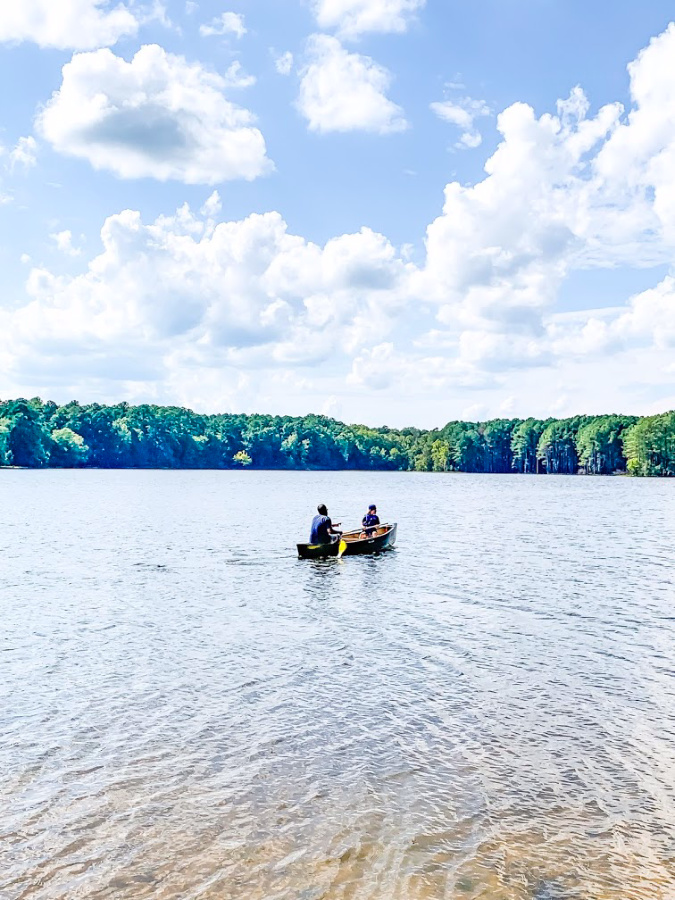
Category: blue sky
[320,267]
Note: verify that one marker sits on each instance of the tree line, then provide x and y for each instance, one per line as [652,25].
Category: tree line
[38,434]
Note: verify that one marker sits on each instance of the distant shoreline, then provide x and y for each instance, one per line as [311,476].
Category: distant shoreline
[297,471]
[37,434]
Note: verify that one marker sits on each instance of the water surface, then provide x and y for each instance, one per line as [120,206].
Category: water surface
[188,711]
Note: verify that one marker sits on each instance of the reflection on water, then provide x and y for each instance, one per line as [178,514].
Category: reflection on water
[188,711]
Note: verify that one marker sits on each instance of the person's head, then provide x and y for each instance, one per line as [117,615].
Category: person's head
[372,508]
[321,509]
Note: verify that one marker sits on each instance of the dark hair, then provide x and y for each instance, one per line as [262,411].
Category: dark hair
[321,509]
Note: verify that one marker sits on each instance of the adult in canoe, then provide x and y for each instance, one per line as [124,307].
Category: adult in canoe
[323,531]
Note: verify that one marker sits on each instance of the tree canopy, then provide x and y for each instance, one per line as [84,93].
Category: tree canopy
[37,434]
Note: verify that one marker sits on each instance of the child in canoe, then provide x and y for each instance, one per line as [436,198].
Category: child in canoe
[370,522]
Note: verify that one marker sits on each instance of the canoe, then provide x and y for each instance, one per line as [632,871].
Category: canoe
[318,551]
[383,538]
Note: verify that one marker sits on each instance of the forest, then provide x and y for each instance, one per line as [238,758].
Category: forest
[38,434]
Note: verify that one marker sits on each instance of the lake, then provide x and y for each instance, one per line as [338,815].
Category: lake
[189,711]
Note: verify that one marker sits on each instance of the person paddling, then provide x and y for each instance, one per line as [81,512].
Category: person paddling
[323,529]
[370,521]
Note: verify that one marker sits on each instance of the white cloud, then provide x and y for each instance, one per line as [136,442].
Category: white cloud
[226,23]
[463,113]
[236,77]
[157,116]
[376,368]
[650,317]
[640,158]
[64,243]
[353,18]
[212,207]
[342,91]
[498,253]
[284,63]
[647,321]
[66,24]
[24,153]
[332,407]
[384,367]
[172,305]
[561,192]
[182,292]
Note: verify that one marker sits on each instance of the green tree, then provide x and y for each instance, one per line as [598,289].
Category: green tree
[469,450]
[440,456]
[36,433]
[600,446]
[524,441]
[650,446]
[497,436]
[557,449]
[422,460]
[69,450]
[5,451]
[28,443]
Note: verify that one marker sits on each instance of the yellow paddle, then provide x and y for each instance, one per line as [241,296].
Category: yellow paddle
[343,547]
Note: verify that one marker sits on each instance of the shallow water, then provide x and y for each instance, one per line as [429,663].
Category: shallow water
[188,711]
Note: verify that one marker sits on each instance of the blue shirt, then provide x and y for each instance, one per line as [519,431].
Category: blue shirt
[320,530]
[370,520]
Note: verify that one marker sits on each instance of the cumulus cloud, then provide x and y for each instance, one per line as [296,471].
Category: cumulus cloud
[343,91]
[650,317]
[463,113]
[22,156]
[568,190]
[639,159]
[284,63]
[67,24]
[647,320]
[183,291]
[562,192]
[24,153]
[384,367]
[64,243]
[236,77]
[157,116]
[226,23]
[352,18]
[212,207]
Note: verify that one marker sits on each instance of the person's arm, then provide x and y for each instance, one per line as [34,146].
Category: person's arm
[332,528]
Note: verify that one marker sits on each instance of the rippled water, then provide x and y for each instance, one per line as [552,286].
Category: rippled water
[188,711]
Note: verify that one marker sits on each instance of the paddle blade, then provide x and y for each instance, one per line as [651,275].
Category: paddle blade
[343,547]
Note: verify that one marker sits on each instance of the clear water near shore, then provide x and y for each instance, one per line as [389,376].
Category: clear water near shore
[188,711]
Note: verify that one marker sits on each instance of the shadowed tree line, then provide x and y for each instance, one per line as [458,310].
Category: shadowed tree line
[36,434]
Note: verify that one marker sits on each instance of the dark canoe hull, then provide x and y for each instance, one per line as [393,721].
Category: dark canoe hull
[376,544]
[318,551]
